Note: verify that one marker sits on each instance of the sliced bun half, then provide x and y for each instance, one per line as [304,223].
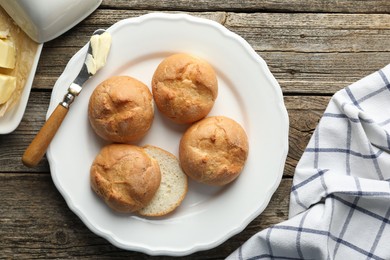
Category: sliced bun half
[173,187]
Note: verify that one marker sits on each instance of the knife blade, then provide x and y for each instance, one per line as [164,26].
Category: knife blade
[40,143]
[84,74]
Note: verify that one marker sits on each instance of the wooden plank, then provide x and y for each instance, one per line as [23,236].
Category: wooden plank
[305,20]
[36,222]
[313,32]
[343,6]
[297,73]
[321,73]
[299,32]
[304,113]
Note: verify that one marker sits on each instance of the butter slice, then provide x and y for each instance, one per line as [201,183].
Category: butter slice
[7,54]
[100,45]
[7,87]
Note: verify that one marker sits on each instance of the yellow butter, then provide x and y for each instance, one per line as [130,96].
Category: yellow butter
[100,45]
[7,87]
[7,54]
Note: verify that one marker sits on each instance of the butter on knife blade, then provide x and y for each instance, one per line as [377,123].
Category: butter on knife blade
[100,45]
[95,58]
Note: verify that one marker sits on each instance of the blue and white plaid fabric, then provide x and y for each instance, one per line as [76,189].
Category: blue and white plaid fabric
[340,198]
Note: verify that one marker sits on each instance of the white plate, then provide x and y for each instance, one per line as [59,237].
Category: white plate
[248,93]
[11,119]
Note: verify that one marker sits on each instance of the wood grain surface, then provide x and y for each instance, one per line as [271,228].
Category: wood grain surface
[314,48]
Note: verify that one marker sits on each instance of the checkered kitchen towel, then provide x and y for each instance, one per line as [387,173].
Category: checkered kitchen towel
[340,198]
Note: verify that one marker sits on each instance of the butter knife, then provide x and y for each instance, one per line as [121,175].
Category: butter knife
[40,143]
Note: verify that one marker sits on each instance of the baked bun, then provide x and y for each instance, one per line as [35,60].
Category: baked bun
[125,177]
[121,109]
[173,187]
[184,88]
[214,150]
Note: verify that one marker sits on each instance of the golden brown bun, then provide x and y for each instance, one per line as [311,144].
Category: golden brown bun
[184,88]
[121,110]
[125,176]
[214,150]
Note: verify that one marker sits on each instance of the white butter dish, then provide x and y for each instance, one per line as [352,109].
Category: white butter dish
[44,20]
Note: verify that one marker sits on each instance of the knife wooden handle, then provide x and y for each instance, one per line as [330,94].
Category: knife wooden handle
[39,144]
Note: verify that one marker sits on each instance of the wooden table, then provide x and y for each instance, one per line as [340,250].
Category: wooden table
[313,48]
